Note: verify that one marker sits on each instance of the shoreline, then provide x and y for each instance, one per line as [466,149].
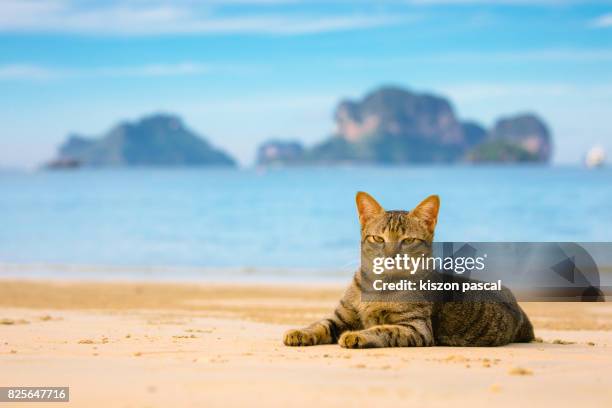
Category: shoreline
[174,274]
[202,296]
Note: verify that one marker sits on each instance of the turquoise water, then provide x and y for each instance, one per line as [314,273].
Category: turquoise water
[174,223]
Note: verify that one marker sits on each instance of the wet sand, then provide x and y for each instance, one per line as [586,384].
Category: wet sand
[135,344]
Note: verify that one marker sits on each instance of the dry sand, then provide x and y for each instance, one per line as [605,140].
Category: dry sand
[146,345]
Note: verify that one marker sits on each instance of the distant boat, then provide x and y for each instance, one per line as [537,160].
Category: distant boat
[62,164]
[595,157]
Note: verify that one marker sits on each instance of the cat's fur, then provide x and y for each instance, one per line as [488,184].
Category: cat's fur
[357,324]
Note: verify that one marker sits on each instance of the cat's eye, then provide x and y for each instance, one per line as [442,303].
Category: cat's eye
[375,239]
[409,241]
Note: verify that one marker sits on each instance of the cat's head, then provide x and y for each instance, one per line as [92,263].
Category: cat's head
[387,233]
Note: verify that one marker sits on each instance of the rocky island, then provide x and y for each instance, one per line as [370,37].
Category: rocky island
[392,125]
[156,140]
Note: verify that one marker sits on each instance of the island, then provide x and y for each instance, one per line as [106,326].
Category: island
[392,125]
[155,140]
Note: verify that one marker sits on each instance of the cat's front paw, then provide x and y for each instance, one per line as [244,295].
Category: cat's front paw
[353,340]
[299,338]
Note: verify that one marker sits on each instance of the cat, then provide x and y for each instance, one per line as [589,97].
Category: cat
[369,324]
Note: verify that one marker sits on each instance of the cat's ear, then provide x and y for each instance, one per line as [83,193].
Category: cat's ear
[367,207]
[427,211]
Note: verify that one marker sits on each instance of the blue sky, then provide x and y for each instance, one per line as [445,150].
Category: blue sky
[243,71]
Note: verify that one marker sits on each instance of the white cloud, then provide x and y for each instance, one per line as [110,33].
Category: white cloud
[37,72]
[153,70]
[491,91]
[503,2]
[154,18]
[492,97]
[546,55]
[24,71]
[603,21]
[543,55]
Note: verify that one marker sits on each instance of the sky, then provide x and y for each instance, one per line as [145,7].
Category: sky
[240,72]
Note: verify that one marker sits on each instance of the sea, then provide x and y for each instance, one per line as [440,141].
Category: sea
[275,224]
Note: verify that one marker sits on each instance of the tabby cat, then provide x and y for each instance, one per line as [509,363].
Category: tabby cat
[359,324]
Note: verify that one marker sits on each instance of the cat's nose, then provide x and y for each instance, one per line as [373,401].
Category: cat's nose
[392,248]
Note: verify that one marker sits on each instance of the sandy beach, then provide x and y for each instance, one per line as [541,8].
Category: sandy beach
[148,345]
